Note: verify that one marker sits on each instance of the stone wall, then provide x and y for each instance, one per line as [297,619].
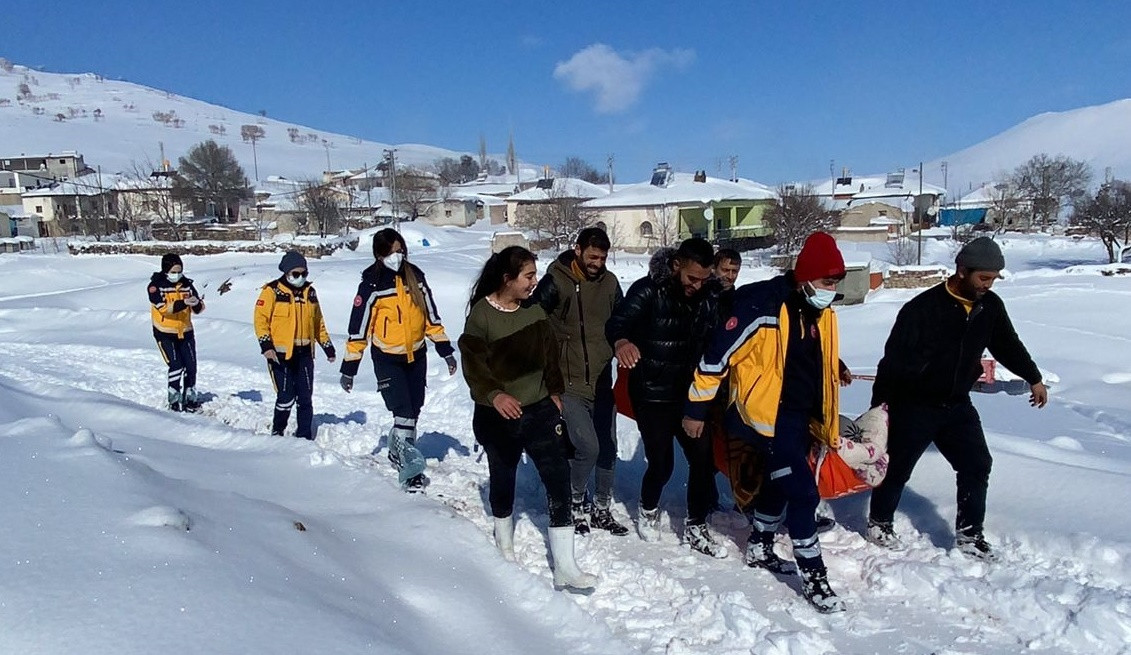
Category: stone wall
[915,278]
[312,250]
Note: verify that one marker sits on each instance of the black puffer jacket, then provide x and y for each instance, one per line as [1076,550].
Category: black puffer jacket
[669,328]
[934,353]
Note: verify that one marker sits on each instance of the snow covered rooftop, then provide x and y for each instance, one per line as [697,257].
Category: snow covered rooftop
[564,187]
[683,189]
[86,185]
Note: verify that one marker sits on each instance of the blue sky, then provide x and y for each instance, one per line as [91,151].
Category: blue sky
[784,86]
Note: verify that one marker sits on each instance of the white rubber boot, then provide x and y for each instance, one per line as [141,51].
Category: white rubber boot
[567,575]
[504,537]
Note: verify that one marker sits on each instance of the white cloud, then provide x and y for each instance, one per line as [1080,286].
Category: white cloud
[616,79]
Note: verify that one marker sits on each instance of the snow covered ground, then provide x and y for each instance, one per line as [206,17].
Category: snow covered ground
[130,529]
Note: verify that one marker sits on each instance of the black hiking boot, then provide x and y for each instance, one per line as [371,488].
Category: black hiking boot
[760,554]
[972,543]
[815,588]
[416,483]
[581,517]
[602,519]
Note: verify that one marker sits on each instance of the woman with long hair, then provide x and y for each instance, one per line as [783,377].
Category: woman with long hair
[510,361]
[394,312]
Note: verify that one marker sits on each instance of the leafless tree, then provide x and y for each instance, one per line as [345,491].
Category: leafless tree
[797,214]
[1107,215]
[321,203]
[145,196]
[901,251]
[415,190]
[1050,184]
[1008,207]
[558,218]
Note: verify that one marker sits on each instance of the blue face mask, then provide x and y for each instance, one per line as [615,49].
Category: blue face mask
[819,298]
[296,280]
[173,277]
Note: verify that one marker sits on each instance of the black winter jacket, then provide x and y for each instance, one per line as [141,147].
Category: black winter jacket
[670,329]
[934,353]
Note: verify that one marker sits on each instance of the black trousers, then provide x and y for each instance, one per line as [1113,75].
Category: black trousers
[659,424]
[540,432]
[956,430]
[180,355]
[293,379]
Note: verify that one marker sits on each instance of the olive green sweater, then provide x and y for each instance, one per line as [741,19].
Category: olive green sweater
[509,352]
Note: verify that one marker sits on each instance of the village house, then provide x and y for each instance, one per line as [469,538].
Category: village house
[674,206]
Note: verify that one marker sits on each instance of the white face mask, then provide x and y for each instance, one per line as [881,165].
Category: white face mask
[393,260]
[296,281]
[173,277]
[819,298]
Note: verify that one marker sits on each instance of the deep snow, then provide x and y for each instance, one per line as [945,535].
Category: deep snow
[134,530]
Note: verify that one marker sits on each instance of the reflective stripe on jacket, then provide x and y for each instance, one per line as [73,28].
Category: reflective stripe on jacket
[385,315]
[167,306]
[750,347]
[286,318]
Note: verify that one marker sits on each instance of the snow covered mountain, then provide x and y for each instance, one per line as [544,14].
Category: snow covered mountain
[1099,135]
[114,123]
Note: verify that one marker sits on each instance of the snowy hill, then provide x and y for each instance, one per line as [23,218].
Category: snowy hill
[1099,135]
[114,123]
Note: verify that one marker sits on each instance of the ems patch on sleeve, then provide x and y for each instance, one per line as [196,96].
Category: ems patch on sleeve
[259,303]
[357,301]
[732,322]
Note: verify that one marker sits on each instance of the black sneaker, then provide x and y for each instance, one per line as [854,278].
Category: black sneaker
[580,518]
[973,543]
[825,523]
[815,588]
[882,533]
[602,519]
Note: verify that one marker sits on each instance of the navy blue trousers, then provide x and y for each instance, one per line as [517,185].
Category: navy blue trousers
[293,379]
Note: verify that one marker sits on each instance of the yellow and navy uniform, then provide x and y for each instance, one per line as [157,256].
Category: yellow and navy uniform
[385,315]
[750,347]
[287,319]
[167,305]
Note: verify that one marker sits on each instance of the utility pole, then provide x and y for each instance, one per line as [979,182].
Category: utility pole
[326,145]
[919,217]
[733,168]
[610,161]
[390,156]
[368,186]
[944,175]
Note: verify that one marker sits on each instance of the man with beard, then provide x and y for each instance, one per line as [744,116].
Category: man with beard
[578,295]
[659,331]
[931,361]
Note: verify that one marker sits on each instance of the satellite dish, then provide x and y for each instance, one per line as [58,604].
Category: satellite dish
[708,213]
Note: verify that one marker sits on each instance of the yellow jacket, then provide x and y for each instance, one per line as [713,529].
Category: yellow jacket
[287,319]
[385,315]
[167,306]
[750,347]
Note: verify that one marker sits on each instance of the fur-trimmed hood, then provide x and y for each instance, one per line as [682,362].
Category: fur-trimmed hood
[660,265]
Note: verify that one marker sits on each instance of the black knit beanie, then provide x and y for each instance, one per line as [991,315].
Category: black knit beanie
[292,260]
[169,260]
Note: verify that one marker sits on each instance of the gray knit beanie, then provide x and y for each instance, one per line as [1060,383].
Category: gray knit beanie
[981,254]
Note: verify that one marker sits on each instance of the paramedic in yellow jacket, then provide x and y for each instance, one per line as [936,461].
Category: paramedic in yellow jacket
[172,302]
[288,323]
[779,348]
[392,315]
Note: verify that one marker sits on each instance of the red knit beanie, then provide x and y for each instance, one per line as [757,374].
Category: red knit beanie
[819,258]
